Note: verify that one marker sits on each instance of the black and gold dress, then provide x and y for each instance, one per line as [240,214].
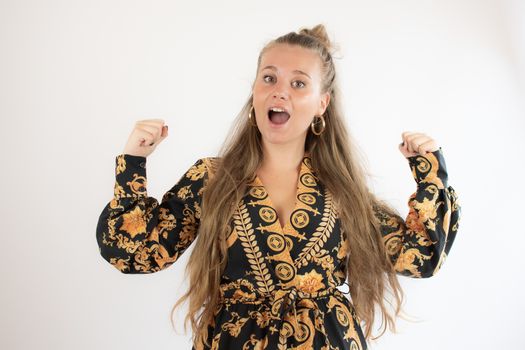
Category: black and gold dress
[280,286]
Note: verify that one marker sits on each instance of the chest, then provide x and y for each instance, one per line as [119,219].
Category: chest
[282,230]
[282,191]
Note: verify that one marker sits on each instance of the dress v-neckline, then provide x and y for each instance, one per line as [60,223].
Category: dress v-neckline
[303,169]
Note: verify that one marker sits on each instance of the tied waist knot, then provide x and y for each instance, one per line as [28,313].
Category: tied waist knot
[282,306]
[286,301]
[282,301]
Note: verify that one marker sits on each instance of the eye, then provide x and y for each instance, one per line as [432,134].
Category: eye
[295,81]
[265,76]
[301,83]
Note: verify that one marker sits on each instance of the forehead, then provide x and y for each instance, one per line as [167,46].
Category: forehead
[287,58]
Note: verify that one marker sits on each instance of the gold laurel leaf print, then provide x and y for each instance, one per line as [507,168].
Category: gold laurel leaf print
[322,233]
[249,243]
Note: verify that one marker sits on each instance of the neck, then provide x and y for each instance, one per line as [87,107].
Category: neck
[282,157]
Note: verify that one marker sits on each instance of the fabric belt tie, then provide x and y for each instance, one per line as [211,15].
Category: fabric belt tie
[283,301]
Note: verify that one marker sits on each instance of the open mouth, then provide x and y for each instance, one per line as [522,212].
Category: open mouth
[278,117]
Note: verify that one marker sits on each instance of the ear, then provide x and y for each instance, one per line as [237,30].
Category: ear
[325,100]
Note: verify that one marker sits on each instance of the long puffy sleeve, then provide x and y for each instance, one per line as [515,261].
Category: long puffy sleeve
[134,232]
[419,245]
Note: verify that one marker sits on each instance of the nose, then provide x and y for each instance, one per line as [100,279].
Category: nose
[280,95]
[280,91]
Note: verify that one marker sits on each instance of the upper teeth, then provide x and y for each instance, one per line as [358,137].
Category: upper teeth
[276,109]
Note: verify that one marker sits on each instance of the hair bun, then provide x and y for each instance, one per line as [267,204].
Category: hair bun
[318,32]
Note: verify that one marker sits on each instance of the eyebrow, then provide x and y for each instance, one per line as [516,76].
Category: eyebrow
[295,71]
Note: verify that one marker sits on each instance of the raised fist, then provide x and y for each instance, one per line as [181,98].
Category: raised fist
[415,143]
[145,137]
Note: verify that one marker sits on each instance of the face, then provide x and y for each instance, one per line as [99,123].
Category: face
[288,77]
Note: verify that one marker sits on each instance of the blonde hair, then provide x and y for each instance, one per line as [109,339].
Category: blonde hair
[335,158]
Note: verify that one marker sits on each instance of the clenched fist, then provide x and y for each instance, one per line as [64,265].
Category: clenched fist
[145,137]
[415,143]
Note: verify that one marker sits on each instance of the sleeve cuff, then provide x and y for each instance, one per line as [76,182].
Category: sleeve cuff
[429,168]
[130,176]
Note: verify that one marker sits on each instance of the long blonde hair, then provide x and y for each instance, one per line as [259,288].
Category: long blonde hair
[335,158]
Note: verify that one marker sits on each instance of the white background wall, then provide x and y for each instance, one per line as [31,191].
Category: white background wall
[76,75]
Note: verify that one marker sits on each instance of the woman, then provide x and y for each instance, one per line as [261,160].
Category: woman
[283,216]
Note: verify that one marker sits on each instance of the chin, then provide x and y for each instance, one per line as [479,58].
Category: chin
[275,140]
[280,139]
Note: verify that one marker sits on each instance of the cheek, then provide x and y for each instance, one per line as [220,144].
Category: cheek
[258,103]
[306,108]
[259,107]
[302,119]
[260,90]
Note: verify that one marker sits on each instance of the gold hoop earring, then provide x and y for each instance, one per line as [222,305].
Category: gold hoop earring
[251,120]
[312,125]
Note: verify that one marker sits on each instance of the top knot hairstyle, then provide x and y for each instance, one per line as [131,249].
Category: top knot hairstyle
[338,163]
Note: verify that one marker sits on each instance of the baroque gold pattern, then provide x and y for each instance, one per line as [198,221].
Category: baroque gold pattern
[279,288]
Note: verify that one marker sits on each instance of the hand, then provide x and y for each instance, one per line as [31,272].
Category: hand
[145,137]
[415,143]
